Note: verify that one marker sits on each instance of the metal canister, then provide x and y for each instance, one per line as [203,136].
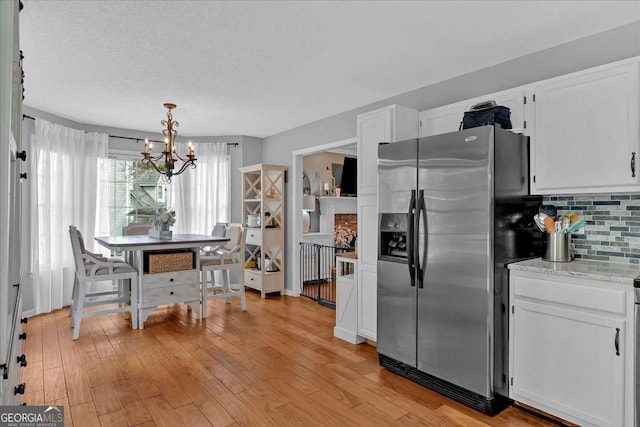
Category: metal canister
[558,247]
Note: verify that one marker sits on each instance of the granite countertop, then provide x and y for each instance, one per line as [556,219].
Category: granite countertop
[596,270]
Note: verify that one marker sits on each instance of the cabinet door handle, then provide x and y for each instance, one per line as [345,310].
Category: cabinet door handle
[22,336]
[22,360]
[633,164]
[19,389]
[617,342]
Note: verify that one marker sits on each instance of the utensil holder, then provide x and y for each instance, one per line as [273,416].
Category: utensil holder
[558,247]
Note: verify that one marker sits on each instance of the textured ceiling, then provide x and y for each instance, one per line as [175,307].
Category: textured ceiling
[260,68]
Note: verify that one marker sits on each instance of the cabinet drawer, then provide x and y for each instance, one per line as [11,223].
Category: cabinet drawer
[167,294]
[254,237]
[581,293]
[253,279]
[170,279]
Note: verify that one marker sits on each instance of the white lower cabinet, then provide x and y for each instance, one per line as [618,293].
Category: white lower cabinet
[367,266]
[571,348]
[347,299]
[367,302]
[12,388]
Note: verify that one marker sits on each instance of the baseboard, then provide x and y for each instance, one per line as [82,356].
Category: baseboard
[540,413]
[348,336]
[290,293]
[29,313]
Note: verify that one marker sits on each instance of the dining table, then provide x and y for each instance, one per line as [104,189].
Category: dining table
[165,287]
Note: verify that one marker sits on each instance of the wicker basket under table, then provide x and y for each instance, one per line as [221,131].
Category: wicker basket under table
[171,260]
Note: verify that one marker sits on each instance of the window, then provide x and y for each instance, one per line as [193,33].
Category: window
[131,193]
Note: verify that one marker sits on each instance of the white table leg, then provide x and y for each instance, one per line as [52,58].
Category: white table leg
[139,263]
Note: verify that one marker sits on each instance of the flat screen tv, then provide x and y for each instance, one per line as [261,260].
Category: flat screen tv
[349,184]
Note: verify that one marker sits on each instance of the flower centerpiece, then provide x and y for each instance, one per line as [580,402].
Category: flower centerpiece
[161,223]
[343,236]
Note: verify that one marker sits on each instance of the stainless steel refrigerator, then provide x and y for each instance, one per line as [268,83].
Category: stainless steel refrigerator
[453,211]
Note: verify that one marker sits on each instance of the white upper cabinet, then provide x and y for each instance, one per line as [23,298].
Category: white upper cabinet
[388,124]
[448,118]
[584,128]
[514,100]
[585,131]
[442,119]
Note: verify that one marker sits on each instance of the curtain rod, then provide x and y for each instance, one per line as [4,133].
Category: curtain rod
[25,116]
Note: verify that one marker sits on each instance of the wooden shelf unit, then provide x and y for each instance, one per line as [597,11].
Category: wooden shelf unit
[263,195]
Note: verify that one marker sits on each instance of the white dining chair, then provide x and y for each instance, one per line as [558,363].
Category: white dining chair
[219,230]
[229,256]
[101,257]
[93,268]
[135,229]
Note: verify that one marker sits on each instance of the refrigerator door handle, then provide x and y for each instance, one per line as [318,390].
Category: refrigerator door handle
[422,212]
[411,261]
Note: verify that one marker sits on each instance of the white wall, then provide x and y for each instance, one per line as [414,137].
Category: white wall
[251,154]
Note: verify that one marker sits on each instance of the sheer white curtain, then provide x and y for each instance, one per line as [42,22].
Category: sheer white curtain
[66,162]
[200,196]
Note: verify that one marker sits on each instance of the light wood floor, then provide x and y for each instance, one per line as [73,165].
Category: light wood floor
[277,364]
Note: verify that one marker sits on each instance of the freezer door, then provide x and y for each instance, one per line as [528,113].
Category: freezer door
[396,335]
[397,180]
[455,303]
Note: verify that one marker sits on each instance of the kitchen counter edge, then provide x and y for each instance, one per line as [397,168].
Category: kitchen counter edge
[595,270]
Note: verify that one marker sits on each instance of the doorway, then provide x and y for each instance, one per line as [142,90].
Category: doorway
[346,146]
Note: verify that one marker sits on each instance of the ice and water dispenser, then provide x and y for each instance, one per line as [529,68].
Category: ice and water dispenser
[393,237]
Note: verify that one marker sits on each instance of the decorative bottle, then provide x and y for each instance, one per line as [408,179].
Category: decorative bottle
[328,183]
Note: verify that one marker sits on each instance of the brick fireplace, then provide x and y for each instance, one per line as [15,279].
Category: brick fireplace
[338,212]
[345,224]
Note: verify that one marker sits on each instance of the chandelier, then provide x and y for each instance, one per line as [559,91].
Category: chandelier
[169,153]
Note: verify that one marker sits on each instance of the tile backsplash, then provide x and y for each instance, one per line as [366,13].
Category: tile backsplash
[612,232]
